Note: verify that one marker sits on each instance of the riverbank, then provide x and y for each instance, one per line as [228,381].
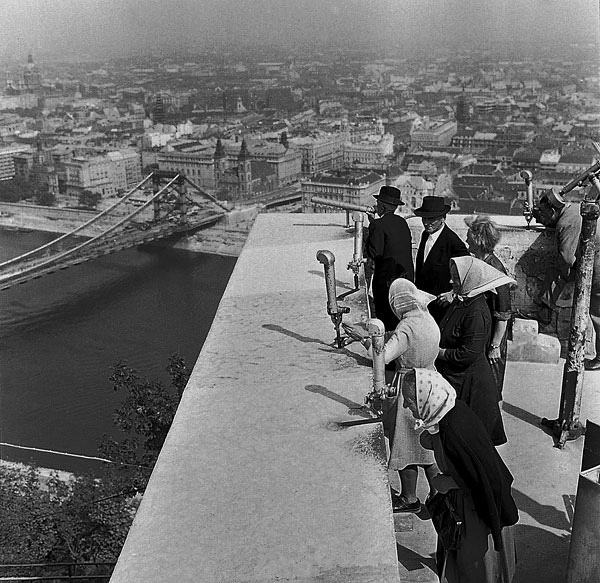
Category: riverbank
[227,237]
[44,473]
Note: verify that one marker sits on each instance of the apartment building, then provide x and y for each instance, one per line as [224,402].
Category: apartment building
[196,161]
[348,186]
[107,174]
[127,169]
[7,162]
[431,134]
[372,153]
[322,152]
[285,162]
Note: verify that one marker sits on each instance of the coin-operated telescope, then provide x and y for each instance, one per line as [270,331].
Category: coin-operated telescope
[346,206]
[590,175]
[338,204]
[334,310]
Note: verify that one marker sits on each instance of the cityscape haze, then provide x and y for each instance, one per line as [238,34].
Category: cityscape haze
[95,29]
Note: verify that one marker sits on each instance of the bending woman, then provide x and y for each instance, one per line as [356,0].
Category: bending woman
[413,343]
[465,337]
[474,478]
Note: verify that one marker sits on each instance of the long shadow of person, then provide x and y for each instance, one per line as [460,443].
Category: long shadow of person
[354,408]
[544,513]
[413,561]
[361,360]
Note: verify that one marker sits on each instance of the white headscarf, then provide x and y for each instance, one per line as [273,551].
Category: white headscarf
[434,397]
[405,296]
[477,277]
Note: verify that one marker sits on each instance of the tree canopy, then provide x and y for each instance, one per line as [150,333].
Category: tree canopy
[89,199]
[47,519]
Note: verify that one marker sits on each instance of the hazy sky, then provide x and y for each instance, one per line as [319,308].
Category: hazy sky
[97,27]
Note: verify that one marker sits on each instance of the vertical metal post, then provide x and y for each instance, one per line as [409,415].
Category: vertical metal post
[376,328]
[376,397]
[357,257]
[181,202]
[528,204]
[156,203]
[568,426]
[358,219]
[335,312]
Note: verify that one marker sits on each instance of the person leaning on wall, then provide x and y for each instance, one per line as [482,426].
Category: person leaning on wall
[565,217]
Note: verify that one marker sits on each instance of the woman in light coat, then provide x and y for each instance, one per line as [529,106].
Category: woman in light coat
[413,343]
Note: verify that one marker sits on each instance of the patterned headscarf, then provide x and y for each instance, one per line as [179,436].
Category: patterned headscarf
[477,277]
[405,296]
[433,395]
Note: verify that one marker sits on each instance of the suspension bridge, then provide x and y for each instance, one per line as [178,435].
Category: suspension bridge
[170,209]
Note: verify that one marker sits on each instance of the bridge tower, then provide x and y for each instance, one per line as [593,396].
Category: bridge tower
[179,202]
[155,188]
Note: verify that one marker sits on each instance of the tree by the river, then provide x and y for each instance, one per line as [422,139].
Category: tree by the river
[45,518]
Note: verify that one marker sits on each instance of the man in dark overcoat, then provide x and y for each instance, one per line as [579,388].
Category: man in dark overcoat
[389,245]
[439,243]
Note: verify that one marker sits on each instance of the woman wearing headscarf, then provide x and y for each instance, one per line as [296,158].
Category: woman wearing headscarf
[465,337]
[473,477]
[413,343]
[482,237]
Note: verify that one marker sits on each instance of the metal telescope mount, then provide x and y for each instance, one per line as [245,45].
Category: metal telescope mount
[528,203]
[334,310]
[381,391]
[568,425]
[357,256]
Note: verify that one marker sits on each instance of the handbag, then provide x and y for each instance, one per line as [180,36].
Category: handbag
[446,520]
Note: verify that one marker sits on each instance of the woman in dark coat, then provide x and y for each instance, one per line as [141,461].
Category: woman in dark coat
[465,337]
[482,237]
[473,476]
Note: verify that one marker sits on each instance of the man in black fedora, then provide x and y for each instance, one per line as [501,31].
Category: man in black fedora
[389,245]
[438,245]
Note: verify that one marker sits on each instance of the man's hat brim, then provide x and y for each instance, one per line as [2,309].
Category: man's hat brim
[432,213]
[389,200]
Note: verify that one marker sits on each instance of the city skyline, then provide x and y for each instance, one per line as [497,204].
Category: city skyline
[115,28]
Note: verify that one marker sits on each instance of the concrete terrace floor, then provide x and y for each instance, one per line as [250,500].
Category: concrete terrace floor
[256,483]
[545,479]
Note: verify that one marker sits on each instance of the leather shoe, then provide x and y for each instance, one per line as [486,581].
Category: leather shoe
[592,364]
[400,504]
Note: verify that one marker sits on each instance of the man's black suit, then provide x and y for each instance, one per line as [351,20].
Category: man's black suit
[389,245]
[433,275]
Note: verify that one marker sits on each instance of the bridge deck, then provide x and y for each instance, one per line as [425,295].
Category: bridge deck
[36,267]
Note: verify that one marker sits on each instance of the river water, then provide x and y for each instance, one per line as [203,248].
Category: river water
[60,334]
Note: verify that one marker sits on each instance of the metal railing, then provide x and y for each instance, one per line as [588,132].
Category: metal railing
[66,571]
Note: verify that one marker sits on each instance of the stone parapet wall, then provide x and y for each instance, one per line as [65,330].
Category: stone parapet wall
[527,254]
[257,481]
